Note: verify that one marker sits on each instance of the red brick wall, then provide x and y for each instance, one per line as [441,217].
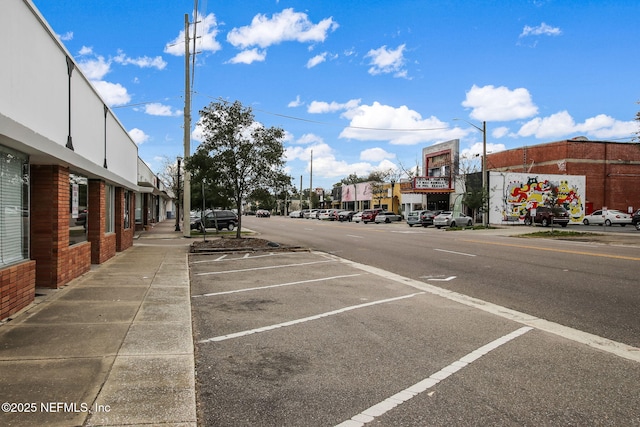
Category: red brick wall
[611,183]
[103,246]
[124,236]
[57,263]
[17,287]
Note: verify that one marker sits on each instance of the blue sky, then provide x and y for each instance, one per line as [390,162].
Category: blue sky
[364,84]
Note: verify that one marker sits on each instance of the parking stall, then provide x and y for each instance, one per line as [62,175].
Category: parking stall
[305,338]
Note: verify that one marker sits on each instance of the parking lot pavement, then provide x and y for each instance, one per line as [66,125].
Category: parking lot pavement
[306,338]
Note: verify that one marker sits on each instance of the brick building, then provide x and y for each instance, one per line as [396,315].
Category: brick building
[612,169]
[70,172]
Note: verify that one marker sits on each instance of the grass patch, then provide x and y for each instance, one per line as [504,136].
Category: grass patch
[558,233]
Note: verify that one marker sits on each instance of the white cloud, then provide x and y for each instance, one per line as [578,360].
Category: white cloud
[248,57]
[325,163]
[112,93]
[321,107]
[295,103]
[541,30]
[400,126]
[66,36]
[207,30]
[138,136]
[500,132]
[376,155]
[85,50]
[95,68]
[318,59]
[562,125]
[142,62]
[284,26]
[386,61]
[499,104]
[157,109]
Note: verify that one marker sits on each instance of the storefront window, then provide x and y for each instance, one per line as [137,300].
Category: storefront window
[109,195]
[78,208]
[127,208]
[14,206]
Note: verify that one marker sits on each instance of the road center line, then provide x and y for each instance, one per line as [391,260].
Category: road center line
[274,286]
[261,268]
[453,252]
[389,403]
[565,251]
[305,319]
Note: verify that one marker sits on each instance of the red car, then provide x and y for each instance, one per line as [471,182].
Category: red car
[369,215]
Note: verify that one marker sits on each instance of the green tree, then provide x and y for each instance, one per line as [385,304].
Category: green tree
[238,153]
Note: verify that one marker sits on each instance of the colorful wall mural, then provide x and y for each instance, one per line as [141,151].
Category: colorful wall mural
[513,194]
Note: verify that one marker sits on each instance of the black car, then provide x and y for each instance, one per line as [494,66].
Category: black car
[223,218]
[548,215]
[426,217]
[635,219]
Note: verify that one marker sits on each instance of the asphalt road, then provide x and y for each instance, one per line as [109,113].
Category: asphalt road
[588,286]
[374,335]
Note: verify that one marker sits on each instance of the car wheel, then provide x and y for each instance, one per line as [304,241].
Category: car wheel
[563,225]
[527,221]
[453,224]
[410,225]
[607,223]
[638,226]
[545,222]
[231,226]
[469,224]
[438,227]
[387,220]
[585,222]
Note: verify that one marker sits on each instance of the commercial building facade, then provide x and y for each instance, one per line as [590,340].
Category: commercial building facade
[611,169]
[69,169]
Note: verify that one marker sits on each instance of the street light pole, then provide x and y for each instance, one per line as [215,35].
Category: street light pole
[485,181]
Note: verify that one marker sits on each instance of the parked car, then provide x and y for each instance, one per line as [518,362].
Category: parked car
[413,218]
[387,217]
[345,215]
[635,219]
[548,215]
[224,218]
[369,215]
[263,213]
[611,217]
[449,219]
[328,214]
[427,217]
[295,214]
[356,217]
[310,213]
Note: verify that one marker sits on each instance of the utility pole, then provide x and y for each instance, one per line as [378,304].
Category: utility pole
[311,182]
[186,203]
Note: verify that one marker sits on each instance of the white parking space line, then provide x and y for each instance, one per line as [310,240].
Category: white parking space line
[594,341]
[386,405]
[354,236]
[305,319]
[212,294]
[245,257]
[262,268]
[454,252]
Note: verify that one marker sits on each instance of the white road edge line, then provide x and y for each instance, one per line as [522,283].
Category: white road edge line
[604,344]
[244,258]
[261,268]
[212,294]
[305,319]
[389,403]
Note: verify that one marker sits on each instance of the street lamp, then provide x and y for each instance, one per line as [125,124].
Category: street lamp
[393,184]
[485,181]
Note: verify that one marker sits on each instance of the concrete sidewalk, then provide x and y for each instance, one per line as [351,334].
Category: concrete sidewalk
[112,348]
